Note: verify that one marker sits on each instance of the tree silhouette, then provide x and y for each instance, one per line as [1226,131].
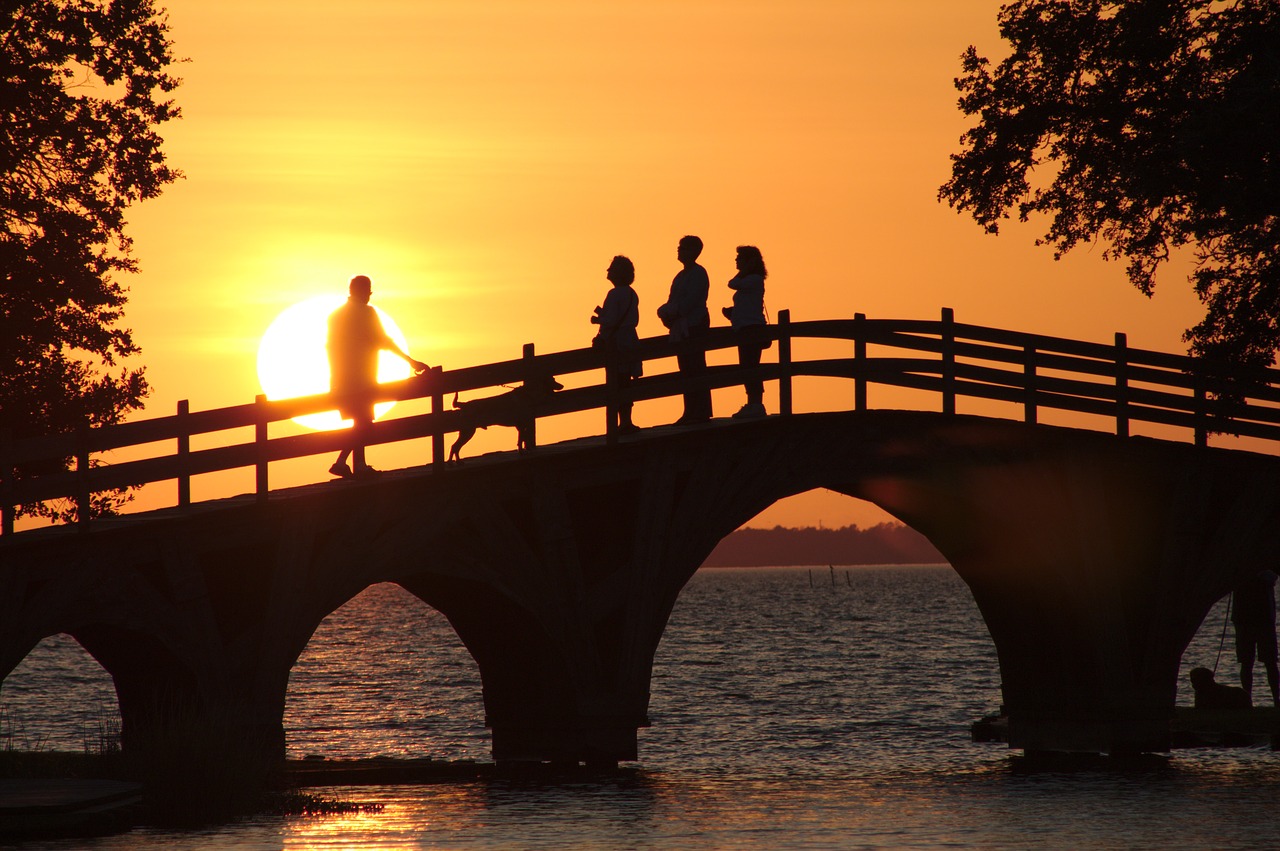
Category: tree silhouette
[1150,125]
[84,85]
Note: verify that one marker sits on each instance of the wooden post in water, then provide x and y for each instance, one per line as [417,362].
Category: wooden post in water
[1122,385]
[859,362]
[260,446]
[948,339]
[184,453]
[784,362]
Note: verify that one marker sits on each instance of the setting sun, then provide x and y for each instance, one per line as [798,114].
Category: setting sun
[292,360]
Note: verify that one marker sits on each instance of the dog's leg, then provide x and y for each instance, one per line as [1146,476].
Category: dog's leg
[464,435]
[524,427]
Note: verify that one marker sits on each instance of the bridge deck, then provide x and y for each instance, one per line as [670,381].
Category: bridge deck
[950,360]
[471,464]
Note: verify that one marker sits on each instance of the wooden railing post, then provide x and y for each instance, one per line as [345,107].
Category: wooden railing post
[784,362]
[84,495]
[1122,385]
[437,410]
[527,368]
[859,362]
[260,445]
[7,508]
[611,401]
[1029,379]
[184,452]
[1201,409]
[948,336]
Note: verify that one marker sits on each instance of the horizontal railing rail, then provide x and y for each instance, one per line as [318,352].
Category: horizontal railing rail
[943,357]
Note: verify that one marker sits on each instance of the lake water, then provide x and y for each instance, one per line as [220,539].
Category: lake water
[788,710]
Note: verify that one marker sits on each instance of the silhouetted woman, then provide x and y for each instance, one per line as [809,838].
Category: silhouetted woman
[618,318]
[748,319]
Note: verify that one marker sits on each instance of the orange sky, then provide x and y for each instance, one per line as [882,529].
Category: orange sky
[483,161]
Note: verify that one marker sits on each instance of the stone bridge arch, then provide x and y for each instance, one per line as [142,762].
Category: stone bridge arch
[1092,558]
[117,610]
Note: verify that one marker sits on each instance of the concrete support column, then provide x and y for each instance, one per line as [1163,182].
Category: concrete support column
[165,705]
[546,696]
[1084,666]
[1093,564]
[196,737]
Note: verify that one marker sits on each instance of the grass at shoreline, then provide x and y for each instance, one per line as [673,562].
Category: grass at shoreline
[43,764]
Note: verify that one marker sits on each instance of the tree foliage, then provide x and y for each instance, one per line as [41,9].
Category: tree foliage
[84,88]
[1148,125]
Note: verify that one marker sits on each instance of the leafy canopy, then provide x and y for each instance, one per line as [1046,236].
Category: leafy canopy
[84,86]
[1149,125]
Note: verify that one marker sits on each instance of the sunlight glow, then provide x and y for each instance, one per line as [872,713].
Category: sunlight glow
[292,360]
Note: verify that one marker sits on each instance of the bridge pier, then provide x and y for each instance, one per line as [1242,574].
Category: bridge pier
[561,587]
[1093,560]
[546,696]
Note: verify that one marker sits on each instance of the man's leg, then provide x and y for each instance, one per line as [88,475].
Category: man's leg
[360,432]
[1273,681]
[339,467]
[1244,654]
[1268,657]
[692,359]
[698,361]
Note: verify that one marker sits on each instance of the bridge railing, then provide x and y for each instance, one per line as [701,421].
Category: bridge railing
[942,357]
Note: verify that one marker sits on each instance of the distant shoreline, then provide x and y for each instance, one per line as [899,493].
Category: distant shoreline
[847,546]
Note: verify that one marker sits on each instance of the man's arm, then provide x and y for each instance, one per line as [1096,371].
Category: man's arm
[390,345]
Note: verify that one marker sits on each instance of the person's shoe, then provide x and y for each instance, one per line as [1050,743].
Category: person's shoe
[341,470]
[628,428]
[751,411]
[364,471]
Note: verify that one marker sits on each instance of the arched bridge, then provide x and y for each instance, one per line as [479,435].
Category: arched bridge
[1092,554]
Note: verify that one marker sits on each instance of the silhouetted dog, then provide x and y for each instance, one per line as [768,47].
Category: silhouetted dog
[1215,695]
[512,408]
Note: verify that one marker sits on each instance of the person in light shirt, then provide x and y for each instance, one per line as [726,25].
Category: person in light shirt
[356,336]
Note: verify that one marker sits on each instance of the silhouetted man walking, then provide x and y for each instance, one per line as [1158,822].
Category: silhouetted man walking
[355,337]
